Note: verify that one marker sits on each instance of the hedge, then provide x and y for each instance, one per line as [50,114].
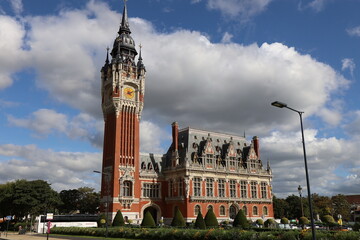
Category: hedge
[209,234]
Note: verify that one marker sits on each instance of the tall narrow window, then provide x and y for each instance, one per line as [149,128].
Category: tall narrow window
[233,188]
[180,181]
[222,210]
[263,190]
[245,210]
[171,188]
[265,211]
[253,190]
[221,187]
[127,189]
[232,212]
[232,163]
[197,187]
[255,210]
[209,159]
[209,187]
[243,189]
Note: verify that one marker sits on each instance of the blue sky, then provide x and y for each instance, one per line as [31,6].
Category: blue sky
[211,64]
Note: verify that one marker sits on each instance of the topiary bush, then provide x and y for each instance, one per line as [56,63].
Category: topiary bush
[210,219]
[148,220]
[178,220]
[303,221]
[327,219]
[200,223]
[102,221]
[260,222]
[118,220]
[240,220]
[284,220]
[270,223]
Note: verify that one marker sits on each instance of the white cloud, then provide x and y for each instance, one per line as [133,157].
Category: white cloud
[245,9]
[12,56]
[70,169]
[348,63]
[226,38]
[17,6]
[318,5]
[355,31]
[223,87]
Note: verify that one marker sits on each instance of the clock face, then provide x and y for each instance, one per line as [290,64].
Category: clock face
[129,92]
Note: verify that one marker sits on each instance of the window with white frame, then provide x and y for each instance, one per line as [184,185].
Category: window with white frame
[265,211]
[222,210]
[151,190]
[221,187]
[232,162]
[233,188]
[263,190]
[253,189]
[209,187]
[243,189]
[255,210]
[197,186]
[127,189]
[209,159]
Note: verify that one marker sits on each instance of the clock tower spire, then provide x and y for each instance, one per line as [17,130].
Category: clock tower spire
[122,93]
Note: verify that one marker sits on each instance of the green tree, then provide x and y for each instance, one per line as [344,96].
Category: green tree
[210,218]
[328,219]
[341,206]
[89,200]
[119,219]
[260,222]
[23,198]
[148,220]
[70,201]
[199,222]
[178,220]
[240,220]
[281,207]
[322,205]
[294,207]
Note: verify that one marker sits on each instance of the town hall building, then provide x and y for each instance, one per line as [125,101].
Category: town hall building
[200,170]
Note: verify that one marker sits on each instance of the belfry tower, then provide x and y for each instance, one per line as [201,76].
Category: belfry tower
[122,92]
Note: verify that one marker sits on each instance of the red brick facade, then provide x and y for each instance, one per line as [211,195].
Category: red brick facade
[200,170]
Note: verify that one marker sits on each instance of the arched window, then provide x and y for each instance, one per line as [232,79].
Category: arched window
[232,212]
[127,189]
[197,210]
[245,210]
[265,211]
[255,210]
[150,166]
[143,166]
[222,210]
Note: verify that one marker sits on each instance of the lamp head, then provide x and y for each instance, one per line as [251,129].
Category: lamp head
[279,104]
[300,189]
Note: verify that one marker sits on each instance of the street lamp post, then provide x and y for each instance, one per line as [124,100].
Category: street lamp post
[301,204]
[107,201]
[284,105]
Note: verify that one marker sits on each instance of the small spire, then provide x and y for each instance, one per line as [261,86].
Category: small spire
[124,27]
[140,58]
[107,55]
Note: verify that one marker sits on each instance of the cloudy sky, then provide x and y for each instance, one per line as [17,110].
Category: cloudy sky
[211,64]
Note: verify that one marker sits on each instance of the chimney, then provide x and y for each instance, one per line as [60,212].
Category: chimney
[256,145]
[175,135]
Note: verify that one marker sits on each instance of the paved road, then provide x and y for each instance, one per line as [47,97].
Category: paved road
[32,236]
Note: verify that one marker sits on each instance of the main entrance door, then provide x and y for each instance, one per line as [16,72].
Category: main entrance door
[153,212]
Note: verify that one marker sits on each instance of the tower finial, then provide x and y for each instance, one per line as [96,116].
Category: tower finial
[140,46]
[107,55]
[124,27]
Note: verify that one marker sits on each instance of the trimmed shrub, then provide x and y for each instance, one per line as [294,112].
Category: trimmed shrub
[327,219]
[303,221]
[200,223]
[118,220]
[102,220]
[270,223]
[240,220]
[148,220]
[210,219]
[260,222]
[284,220]
[178,220]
